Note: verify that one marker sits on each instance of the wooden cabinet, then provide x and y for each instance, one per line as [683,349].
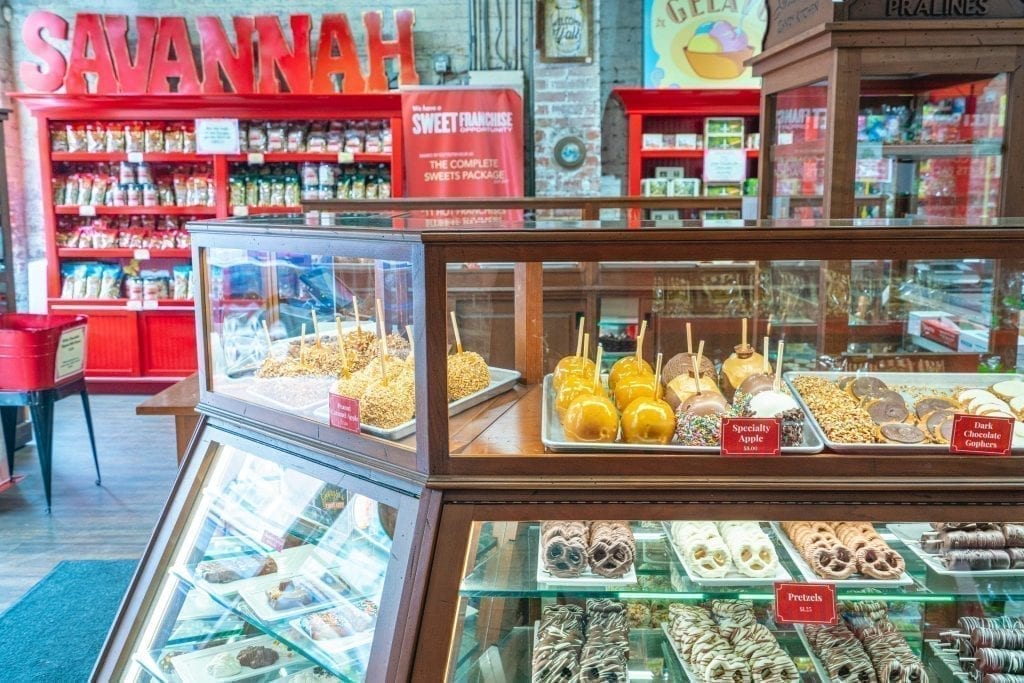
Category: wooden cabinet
[873,118]
[446,519]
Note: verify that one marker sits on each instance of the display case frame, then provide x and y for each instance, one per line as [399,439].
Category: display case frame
[492,467]
[403,585]
[900,55]
[515,415]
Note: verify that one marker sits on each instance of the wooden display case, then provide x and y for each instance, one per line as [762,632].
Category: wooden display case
[145,345]
[866,116]
[460,593]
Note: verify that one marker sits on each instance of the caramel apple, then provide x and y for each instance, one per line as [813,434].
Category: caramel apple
[633,387]
[681,388]
[705,403]
[628,366]
[571,388]
[591,417]
[759,381]
[649,420]
[743,363]
[579,365]
[680,364]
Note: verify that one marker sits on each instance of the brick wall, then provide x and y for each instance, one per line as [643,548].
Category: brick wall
[621,65]
[567,102]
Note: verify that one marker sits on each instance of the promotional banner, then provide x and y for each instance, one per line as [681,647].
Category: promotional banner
[463,142]
[702,43]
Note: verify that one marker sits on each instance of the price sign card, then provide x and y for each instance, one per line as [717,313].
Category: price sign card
[344,412]
[751,436]
[805,603]
[981,435]
[725,165]
[217,136]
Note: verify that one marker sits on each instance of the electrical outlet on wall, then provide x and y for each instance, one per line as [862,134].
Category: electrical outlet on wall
[442,64]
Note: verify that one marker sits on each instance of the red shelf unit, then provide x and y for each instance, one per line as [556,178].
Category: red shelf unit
[141,346]
[683,111]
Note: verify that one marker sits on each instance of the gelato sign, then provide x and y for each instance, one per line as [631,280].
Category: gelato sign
[702,43]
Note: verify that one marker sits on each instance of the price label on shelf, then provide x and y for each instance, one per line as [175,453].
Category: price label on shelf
[141,254]
[805,603]
[150,304]
[240,211]
[254,158]
[135,157]
[981,435]
[751,436]
[217,136]
[725,165]
[87,210]
[272,540]
[134,305]
[346,157]
[344,413]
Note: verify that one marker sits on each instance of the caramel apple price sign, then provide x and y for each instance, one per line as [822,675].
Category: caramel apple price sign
[751,436]
[981,435]
[344,413]
[805,603]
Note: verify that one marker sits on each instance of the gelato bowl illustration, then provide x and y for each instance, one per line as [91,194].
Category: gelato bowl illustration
[718,50]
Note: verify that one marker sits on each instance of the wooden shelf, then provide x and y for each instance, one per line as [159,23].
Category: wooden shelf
[330,157]
[66,210]
[148,157]
[73,253]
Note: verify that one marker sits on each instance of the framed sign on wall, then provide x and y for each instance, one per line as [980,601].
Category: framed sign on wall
[702,44]
[565,30]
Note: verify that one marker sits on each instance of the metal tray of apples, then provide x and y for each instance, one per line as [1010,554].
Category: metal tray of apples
[553,437]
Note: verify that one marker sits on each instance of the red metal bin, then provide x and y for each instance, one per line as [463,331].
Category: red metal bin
[40,351]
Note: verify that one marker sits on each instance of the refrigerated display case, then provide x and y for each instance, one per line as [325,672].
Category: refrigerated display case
[871,119]
[390,461]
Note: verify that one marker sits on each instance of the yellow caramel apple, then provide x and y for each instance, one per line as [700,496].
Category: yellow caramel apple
[633,387]
[648,420]
[591,418]
[572,387]
[627,366]
[572,366]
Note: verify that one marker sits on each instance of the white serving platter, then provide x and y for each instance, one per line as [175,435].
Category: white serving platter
[733,578]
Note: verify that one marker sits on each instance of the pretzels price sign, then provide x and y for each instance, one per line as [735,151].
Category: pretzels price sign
[805,603]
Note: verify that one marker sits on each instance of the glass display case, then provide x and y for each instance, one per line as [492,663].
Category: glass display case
[485,340]
[888,121]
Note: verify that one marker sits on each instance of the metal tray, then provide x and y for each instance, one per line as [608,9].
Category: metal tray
[910,534]
[501,381]
[733,578]
[924,382]
[854,581]
[554,439]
